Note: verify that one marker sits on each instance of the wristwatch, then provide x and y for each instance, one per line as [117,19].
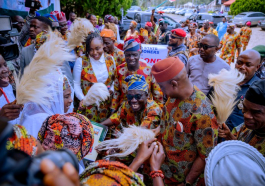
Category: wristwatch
[187,183]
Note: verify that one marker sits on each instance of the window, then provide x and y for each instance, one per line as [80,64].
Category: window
[171,21]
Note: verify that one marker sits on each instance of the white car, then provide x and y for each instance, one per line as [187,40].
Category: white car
[188,13]
[178,10]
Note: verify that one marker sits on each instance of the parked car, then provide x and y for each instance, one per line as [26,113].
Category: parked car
[254,17]
[188,13]
[141,18]
[135,8]
[182,12]
[178,10]
[201,17]
[261,24]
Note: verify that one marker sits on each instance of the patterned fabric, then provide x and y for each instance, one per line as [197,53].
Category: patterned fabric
[109,173]
[151,39]
[192,42]
[125,116]
[118,56]
[230,43]
[188,129]
[21,140]
[131,45]
[108,33]
[70,131]
[120,86]
[88,78]
[29,42]
[134,23]
[245,34]
[59,15]
[136,82]
[251,137]
[129,33]
[40,39]
[66,84]
[209,31]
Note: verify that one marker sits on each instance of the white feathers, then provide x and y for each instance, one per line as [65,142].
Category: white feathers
[79,30]
[127,141]
[225,85]
[96,94]
[35,85]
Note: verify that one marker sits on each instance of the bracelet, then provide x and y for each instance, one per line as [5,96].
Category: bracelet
[157,173]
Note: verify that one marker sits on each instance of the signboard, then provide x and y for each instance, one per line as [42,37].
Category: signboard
[153,53]
[17,7]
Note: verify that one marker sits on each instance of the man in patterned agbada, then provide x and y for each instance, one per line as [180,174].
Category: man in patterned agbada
[133,65]
[188,127]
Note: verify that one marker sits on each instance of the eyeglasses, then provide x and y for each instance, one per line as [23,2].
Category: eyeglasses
[136,96]
[204,46]
[173,37]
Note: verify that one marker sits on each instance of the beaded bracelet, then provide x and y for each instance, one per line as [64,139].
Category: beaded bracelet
[157,173]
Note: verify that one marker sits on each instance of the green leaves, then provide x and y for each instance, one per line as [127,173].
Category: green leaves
[97,7]
[244,6]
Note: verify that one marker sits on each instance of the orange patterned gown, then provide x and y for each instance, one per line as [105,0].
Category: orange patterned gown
[118,56]
[230,43]
[192,42]
[88,78]
[120,86]
[245,34]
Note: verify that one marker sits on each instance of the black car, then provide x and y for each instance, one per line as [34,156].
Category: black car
[141,18]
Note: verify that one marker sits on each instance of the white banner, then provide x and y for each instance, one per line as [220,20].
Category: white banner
[153,53]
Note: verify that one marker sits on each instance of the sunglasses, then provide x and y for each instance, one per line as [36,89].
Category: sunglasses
[173,37]
[204,46]
[136,96]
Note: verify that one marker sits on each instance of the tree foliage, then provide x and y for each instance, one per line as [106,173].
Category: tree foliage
[97,7]
[244,6]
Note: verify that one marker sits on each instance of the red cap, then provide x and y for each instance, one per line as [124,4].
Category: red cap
[179,32]
[248,23]
[211,23]
[167,69]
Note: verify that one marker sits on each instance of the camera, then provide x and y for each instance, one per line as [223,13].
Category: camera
[33,4]
[8,50]
[17,168]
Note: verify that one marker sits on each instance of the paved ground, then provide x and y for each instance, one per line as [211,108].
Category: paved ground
[257,38]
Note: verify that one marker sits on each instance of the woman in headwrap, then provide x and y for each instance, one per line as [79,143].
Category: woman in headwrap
[143,35]
[96,66]
[151,36]
[132,32]
[34,114]
[109,38]
[67,131]
[62,22]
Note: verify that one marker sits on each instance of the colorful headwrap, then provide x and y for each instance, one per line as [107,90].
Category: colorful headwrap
[22,141]
[248,23]
[260,49]
[109,173]
[66,84]
[149,24]
[211,23]
[231,25]
[60,15]
[134,23]
[40,39]
[161,19]
[108,17]
[108,33]
[187,21]
[53,19]
[70,131]
[131,45]
[194,24]
[137,82]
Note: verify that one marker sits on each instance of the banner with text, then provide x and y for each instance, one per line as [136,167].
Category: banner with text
[153,53]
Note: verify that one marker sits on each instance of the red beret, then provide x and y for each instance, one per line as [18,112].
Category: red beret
[167,69]
[179,32]
[211,23]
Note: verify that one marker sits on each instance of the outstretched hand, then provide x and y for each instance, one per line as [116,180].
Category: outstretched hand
[158,157]
[53,176]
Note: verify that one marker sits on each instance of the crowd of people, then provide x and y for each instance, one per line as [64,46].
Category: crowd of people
[172,98]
